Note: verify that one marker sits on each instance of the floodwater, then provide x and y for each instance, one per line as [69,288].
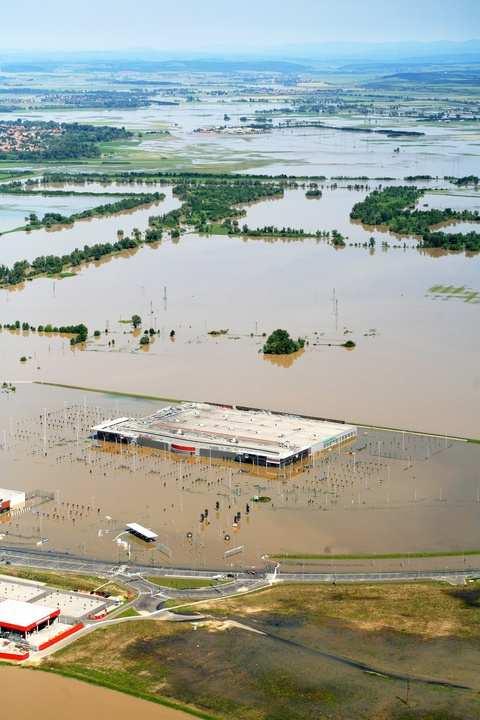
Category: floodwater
[14,208]
[415,364]
[443,150]
[59,240]
[387,492]
[456,200]
[26,687]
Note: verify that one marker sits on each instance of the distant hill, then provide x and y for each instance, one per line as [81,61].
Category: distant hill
[450,77]
[204,65]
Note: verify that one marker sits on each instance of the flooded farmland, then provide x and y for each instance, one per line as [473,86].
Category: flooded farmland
[442,150]
[414,364]
[14,208]
[59,240]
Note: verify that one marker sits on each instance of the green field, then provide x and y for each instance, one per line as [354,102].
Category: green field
[182,583]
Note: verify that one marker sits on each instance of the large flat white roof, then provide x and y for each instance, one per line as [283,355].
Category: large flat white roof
[109,424]
[23,614]
[275,434]
[11,494]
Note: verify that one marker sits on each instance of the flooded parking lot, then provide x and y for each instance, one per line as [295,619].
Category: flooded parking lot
[388,492]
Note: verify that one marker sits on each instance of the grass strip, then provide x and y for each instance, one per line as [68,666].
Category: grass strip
[129,612]
[182,583]
[64,580]
[118,393]
[179,400]
[380,556]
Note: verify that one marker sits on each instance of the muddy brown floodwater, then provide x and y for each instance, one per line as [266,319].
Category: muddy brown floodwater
[59,240]
[415,364]
[387,492]
[71,698]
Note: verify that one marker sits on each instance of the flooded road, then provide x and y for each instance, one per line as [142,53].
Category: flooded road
[25,687]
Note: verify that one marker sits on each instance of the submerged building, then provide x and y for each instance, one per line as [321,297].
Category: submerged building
[142,532]
[257,437]
[11,500]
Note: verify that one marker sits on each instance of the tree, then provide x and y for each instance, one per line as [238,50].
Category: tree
[136,321]
[280,343]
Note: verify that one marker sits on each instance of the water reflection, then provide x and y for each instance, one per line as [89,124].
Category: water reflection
[283,361]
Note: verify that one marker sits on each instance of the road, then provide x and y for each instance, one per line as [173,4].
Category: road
[150,598]
[133,574]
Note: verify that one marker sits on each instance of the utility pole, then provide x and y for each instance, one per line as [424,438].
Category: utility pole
[45,431]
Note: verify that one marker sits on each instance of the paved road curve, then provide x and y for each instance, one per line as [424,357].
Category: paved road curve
[51,560]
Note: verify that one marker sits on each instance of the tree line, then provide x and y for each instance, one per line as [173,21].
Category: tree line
[127,203]
[79,332]
[395,208]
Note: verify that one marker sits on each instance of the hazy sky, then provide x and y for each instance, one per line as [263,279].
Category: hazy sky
[229,24]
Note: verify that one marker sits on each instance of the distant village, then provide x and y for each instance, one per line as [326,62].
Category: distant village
[19,137]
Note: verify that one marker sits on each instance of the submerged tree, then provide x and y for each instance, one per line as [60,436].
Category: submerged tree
[280,343]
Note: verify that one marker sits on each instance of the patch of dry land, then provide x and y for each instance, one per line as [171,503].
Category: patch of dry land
[406,652]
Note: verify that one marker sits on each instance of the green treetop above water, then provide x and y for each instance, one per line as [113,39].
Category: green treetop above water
[280,343]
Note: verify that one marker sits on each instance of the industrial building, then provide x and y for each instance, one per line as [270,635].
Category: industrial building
[33,616]
[258,437]
[24,618]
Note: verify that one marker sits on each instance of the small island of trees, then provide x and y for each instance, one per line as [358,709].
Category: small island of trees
[395,207]
[280,343]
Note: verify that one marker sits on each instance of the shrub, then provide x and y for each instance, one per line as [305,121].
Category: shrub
[280,343]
